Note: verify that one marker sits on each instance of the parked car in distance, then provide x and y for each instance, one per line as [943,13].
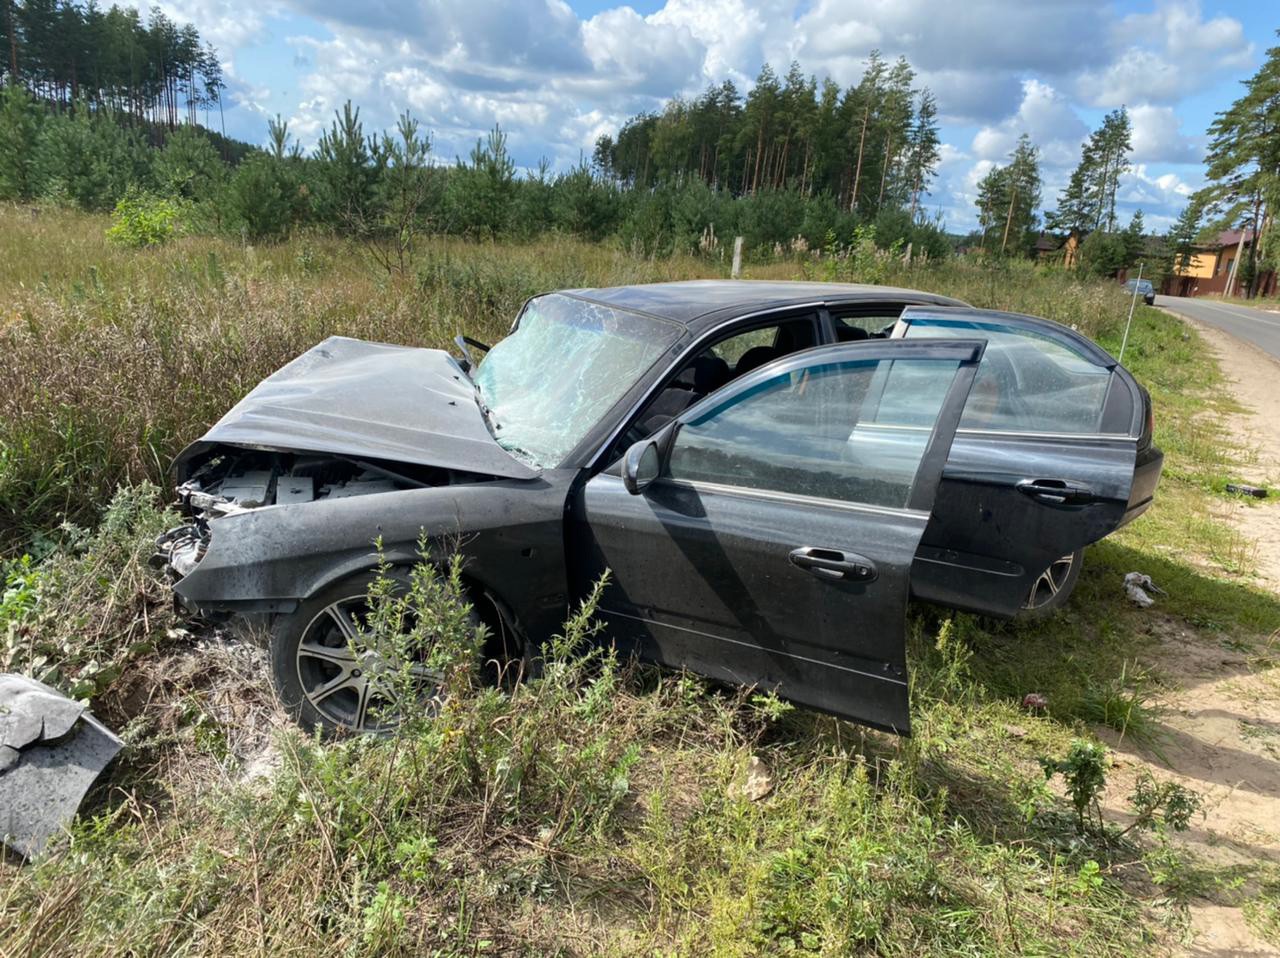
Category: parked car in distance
[767,470]
[1143,288]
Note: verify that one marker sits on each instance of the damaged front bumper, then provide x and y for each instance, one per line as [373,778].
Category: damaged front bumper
[180,550]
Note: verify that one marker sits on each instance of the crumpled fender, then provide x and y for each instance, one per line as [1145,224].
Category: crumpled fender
[268,560]
[51,751]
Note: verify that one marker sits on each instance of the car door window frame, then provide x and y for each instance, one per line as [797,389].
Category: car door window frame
[1067,339]
[967,353]
[608,456]
[861,308]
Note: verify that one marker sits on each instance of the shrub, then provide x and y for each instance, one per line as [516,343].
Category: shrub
[263,200]
[88,159]
[75,620]
[144,219]
[1084,770]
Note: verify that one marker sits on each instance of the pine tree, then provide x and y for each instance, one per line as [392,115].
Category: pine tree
[1008,198]
[347,173]
[19,128]
[480,193]
[1089,201]
[403,194]
[867,98]
[1181,238]
[1134,239]
[760,116]
[923,149]
[1244,164]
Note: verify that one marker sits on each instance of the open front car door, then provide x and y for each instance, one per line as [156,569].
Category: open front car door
[766,537]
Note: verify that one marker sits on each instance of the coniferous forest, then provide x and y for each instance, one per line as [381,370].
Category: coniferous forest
[104,110]
[66,52]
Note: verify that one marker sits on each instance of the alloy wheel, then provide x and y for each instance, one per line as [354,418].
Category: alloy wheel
[1050,582]
[347,676]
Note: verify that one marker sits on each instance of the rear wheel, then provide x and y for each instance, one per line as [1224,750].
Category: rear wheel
[330,674]
[1053,587]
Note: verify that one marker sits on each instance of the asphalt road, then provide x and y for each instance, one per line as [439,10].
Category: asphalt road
[1257,326]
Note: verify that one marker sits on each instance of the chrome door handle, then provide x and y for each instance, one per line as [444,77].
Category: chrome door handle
[1058,492]
[834,564]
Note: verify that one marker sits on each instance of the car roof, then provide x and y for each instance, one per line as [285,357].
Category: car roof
[699,302]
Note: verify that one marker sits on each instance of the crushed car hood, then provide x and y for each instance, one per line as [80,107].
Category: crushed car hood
[368,401]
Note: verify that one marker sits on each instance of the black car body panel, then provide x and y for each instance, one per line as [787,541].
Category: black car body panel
[511,532]
[704,576]
[368,401]
[1034,482]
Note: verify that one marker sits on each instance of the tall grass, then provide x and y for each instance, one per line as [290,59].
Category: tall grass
[111,360]
[110,363]
[594,810]
[599,809]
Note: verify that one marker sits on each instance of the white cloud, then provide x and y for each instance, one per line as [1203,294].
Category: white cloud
[556,80]
[1047,117]
[1158,138]
[1165,54]
[1160,196]
[227,26]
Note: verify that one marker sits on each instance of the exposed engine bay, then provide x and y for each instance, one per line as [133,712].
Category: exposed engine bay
[229,480]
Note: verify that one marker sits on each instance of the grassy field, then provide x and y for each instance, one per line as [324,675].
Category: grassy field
[599,810]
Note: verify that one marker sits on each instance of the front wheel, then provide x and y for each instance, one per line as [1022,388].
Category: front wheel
[332,675]
[1053,587]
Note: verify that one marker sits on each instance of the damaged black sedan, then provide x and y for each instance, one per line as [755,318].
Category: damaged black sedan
[768,470]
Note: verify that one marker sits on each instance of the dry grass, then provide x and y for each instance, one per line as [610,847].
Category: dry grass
[592,812]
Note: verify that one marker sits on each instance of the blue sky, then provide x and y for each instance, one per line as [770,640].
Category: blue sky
[557,74]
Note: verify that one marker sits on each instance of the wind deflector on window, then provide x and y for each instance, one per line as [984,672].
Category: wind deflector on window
[971,323]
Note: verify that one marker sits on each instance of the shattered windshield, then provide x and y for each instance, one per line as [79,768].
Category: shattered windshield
[567,362]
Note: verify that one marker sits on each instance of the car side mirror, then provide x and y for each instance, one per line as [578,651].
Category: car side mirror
[640,466]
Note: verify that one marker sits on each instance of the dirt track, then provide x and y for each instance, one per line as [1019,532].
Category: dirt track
[1222,720]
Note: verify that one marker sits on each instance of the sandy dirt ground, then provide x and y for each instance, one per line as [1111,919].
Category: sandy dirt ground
[1222,718]
[1255,384]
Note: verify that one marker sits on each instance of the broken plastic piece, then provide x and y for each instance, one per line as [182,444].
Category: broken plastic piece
[51,750]
[1240,489]
[1138,585]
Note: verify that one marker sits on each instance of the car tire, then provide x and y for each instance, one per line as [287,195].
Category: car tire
[1053,587]
[320,681]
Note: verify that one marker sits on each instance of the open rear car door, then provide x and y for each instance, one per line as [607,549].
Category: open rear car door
[766,537]
[1042,465]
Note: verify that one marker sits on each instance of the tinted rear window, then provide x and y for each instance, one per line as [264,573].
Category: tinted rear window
[1027,382]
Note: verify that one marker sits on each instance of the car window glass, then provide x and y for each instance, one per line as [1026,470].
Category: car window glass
[827,431]
[716,366]
[1026,382]
[851,327]
[733,348]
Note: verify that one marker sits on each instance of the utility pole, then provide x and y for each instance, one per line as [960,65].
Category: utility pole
[1234,273]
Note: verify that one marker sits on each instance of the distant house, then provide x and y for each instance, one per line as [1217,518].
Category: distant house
[1047,247]
[1209,269]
